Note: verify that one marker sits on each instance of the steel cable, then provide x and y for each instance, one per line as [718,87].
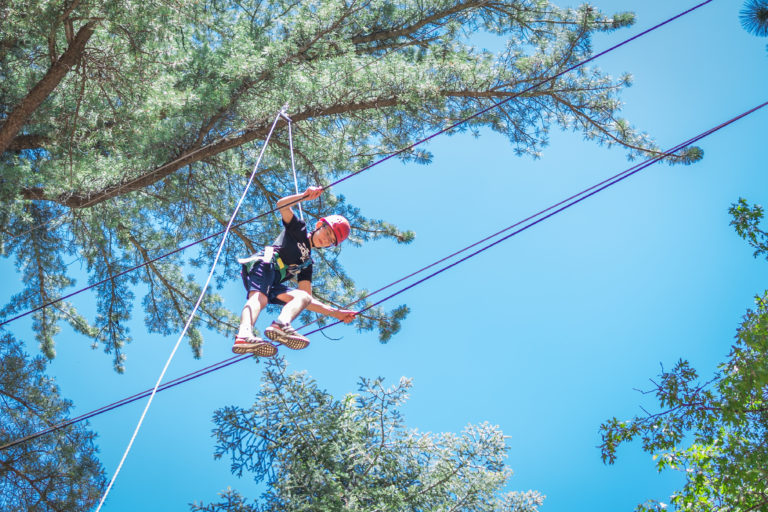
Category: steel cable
[557,207]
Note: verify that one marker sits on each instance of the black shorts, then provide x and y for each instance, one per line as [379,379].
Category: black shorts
[265,278]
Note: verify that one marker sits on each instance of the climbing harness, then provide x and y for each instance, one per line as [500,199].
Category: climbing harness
[269,256]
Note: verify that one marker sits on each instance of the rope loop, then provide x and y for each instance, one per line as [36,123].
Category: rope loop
[293,162]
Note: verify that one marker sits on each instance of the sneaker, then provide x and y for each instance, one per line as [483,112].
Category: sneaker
[287,335]
[253,345]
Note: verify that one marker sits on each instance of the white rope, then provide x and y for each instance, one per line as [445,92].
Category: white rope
[293,164]
[191,316]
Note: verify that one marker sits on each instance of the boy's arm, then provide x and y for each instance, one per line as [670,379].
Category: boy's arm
[345,315]
[285,204]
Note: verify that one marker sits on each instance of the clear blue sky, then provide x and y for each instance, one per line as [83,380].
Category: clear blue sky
[545,335]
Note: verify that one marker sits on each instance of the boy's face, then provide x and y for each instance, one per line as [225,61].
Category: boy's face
[323,236]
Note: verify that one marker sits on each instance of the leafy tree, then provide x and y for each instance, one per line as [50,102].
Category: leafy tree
[317,453]
[754,17]
[146,138]
[55,472]
[746,221]
[716,432]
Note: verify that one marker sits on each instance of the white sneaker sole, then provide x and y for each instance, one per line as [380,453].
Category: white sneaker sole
[258,349]
[292,342]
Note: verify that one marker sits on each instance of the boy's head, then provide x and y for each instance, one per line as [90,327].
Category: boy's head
[330,230]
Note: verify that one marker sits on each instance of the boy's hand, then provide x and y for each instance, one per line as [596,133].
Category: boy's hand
[345,315]
[312,193]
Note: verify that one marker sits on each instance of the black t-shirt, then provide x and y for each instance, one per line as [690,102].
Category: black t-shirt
[292,245]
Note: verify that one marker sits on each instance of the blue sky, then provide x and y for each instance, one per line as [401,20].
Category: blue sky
[545,335]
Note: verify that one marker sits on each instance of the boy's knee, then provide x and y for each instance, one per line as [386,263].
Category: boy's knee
[258,297]
[302,297]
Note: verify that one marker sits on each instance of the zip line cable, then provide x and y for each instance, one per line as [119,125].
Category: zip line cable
[562,205]
[388,157]
[340,79]
[192,314]
[618,178]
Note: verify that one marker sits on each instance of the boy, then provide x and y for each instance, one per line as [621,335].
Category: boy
[288,258]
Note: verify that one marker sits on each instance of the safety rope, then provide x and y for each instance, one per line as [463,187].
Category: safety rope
[557,207]
[191,315]
[293,162]
[296,188]
[378,162]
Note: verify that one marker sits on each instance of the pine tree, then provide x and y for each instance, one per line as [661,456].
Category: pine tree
[314,452]
[142,138]
[55,472]
[754,17]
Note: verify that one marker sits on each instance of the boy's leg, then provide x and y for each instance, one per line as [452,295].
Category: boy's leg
[258,281]
[295,302]
[245,341]
[256,302]
[281,330]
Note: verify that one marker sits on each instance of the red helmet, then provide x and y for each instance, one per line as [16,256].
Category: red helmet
[339,225]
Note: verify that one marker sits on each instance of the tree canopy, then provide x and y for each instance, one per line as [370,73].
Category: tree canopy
[130,127]
[56,472]
[318,453]
[714,432]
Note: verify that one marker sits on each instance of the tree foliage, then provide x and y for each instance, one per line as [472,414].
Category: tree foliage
[754,17]
[356,454]
[148,136]
[746,221]
[716,432]
[56,472]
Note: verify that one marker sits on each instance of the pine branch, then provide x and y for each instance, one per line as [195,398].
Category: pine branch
[383,35]
[19,115]
[189,156]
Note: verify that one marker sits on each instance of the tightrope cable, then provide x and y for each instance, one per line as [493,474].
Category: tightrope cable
[610,182]
[382,160]
[557,207]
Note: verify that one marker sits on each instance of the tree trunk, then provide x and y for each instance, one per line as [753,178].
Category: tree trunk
[16,119]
